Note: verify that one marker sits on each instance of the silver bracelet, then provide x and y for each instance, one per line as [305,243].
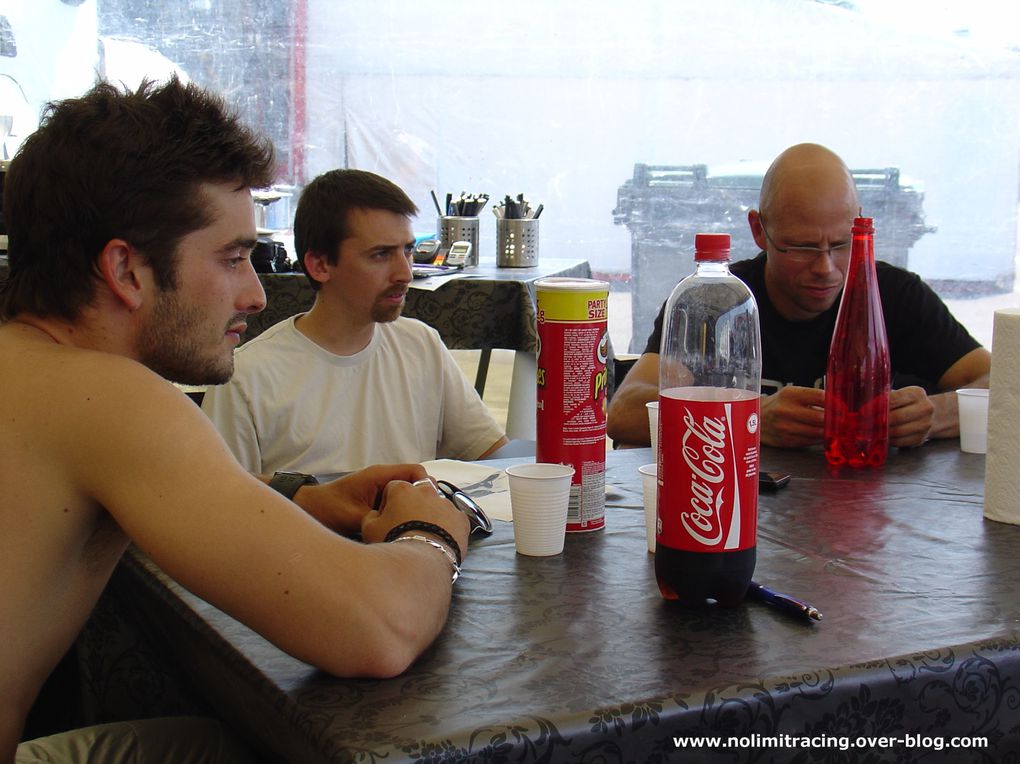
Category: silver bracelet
[440,547]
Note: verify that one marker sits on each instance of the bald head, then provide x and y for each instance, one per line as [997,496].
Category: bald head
[805,181]
[808,201]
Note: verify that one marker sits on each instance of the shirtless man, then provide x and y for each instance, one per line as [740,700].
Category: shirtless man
[131,224]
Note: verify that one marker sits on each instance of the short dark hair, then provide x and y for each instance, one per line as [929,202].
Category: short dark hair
[117,164]
[320,222]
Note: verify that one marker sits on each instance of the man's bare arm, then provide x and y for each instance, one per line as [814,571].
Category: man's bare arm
[161,470]
[915,417]
[627,419]
[970,371]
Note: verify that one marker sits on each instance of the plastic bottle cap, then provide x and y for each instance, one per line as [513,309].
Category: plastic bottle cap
[711,246]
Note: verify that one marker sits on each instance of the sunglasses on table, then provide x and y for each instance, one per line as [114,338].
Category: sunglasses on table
[480,522]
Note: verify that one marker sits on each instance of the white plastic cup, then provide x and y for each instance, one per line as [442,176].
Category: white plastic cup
[973,404]
[649,490]
[653,426]
[539,498]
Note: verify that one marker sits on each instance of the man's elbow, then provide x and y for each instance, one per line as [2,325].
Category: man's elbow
[389,659]
[627,423]
[493,448]
[614,427]
[381,653]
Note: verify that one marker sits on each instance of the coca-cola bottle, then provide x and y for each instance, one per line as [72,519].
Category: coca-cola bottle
[857,377]
[709,379]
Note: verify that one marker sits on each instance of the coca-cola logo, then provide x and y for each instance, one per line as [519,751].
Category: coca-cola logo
[704,453]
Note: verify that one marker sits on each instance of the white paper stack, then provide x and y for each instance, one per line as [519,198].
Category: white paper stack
[1002,465]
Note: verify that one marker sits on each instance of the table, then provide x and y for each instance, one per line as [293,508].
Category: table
[577,658]
[490,308]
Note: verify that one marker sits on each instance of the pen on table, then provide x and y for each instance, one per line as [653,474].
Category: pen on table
[782,601]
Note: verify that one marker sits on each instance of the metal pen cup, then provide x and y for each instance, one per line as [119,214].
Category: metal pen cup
[453,228]
[516,242]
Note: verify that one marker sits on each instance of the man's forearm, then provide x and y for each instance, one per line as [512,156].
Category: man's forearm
[628,415]
[945,421]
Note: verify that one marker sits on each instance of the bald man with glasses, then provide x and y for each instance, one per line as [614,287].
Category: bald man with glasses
[806,208]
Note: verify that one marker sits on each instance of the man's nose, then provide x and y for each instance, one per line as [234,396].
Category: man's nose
[824,262]
[402,274]
[253,297]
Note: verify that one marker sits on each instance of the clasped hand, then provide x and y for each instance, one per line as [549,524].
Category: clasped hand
[376,499]
[794,417]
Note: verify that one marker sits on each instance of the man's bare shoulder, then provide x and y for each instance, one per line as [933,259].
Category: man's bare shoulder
[60,416]
[38,374]
[81,412]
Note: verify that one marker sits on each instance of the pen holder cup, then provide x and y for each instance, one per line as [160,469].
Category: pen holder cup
[453,228]
[516,243]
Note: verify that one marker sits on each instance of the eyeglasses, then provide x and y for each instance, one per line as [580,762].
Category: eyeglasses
[806,254]
[479,520]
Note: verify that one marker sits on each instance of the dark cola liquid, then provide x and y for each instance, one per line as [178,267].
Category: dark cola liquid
[694,579]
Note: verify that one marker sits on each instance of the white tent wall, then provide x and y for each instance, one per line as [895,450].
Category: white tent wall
[561,100]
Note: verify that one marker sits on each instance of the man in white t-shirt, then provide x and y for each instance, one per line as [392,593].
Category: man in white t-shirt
[351,383]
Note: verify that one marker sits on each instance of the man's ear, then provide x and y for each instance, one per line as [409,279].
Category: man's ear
[754,221]
[317,266]
[120,266]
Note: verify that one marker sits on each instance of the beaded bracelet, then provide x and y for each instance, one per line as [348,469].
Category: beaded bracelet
[446,552]
[435,530]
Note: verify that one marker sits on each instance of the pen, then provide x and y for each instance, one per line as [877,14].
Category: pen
[783,602]
[436,202]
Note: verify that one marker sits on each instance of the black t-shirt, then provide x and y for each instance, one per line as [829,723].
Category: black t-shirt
[924,337]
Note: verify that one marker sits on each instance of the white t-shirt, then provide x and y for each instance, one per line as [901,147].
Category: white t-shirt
[291,405]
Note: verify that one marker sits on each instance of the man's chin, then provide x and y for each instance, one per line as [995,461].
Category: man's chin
[817,304]
[387,314]
[198,376]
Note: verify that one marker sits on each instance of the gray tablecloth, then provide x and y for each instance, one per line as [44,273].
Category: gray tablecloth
[577,658]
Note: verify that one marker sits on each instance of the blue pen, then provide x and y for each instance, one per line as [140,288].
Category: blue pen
[782,601]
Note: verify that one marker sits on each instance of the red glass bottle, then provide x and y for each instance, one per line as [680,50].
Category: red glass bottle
[857,378]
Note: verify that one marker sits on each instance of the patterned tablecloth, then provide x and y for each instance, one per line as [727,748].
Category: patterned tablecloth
[488,308]
[576,658]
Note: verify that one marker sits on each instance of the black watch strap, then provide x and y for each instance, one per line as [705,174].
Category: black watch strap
[288,483]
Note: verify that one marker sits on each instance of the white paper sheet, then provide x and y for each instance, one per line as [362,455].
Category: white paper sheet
[487,485]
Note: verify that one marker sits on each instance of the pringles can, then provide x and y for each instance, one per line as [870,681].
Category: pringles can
[570,427]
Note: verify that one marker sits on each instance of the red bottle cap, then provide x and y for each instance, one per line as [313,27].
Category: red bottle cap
[711,247]
[864,225]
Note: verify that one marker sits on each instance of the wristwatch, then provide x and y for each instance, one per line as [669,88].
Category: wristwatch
[288,483]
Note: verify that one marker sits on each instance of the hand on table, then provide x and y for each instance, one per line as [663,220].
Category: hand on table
[911,416]
[344,503]
[794,417]
[402,502]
